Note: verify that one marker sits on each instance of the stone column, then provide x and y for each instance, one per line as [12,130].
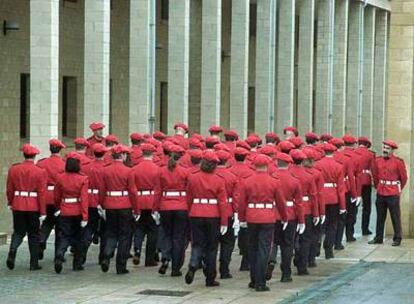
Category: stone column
[96,66]
[324,65]
[306,62]
[210,64]
[285,64]
[340,67]
[380,77]
[178,61]
[44,72]
[355,78]
[368,81]
[239,72]
[265,66]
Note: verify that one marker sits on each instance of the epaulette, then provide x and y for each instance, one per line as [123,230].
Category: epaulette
[196,171]
[220,174]
[399,158]
[15,164]
[248,174]
[42,159]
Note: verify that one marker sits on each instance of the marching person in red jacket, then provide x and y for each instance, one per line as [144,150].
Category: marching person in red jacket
[171,202]
[81,145]
[71,199]
[390,178]
[118,194]
[206,198]
[261,204]
[181,130]
[146,178]
[54,165]
[26,197]
[136,154]
[96,138]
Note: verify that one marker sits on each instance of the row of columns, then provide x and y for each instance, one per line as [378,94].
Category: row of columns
[338,83]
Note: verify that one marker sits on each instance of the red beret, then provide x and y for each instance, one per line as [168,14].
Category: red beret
[176,149]
[310,153]
[215,129]
[182,126]
[81,141]
[348,139]
[210,156]
[56,143]
[336,142]
[297,154]
[195,153]
[99,148]
[286,146]
[272,135]
[73,155]
[166,145]
[159,135]
[243,144]
[390,143]
[364,140]
[30,150]
[292,129]
[284,157]
[221,146]
[326,137]
[297,141]
[231,133]
[261,160]
[241,151]
[112,138]
[196,143]
[253,139]
[153,142]
[136,136]
[173,140]
[329,147]
[150,148]
[147,136]
[223,155]
[96,126]
[212,140]
[197,136]
[311,136]
[267,150]
[117,149]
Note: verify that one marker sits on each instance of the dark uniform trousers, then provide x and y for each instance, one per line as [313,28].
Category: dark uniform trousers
[146,226]
[392,203]
[91,229]
[286,240]
[260,244]
[315,247]
[344,221]
[331,225]
[174,226]
[48,224]
[205,235]
[26,222]
[227,243]
[118,235]
[243,244]
[305,242]
[71,234]
[366,207]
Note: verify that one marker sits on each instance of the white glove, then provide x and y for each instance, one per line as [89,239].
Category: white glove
[301,228]
[9,207]
[57,213]
[316,220]
[353,200]
[358,201]
[42,219]
[236,224]
[84,223]
[101,212]
[136,217]
[284,225]
[223,230]
[323,218]
[156,216]
[243,224]
[342,211]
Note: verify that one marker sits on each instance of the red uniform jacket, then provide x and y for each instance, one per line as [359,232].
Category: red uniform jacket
[333,175]
[93,140]
[309,192]
[390,175]
[182,140]
[366,162]
[206,196]
[260,199]
[146,179]
[118,187]
[26,187]
[349,172]
[355,156]
[171,193]
[136,155]
[185,161]
[94,171]
[54,165]
[230,181]
[319,182]
[241,169]
[292,192]
[72,186]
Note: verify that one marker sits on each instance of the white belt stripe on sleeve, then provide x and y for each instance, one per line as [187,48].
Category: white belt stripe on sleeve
[174,193]
[390,183]
[366,171]
[117,193]
[230,200]
[329,185]
[305,198]
[71,200]
[93,191]
[145,192]
[25,193]
[260,205]
[211,201]
[50,188]
[289,203]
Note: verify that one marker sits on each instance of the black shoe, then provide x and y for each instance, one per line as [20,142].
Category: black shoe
[366,232]
[351,239]
[312,264]
[340,247]
[122,271]
[35,267]
[262,288]
[95,239]
[105,265]
[226,276]
[78,268]
[269,271]
[58,266]
[329,254]
[252,285]
[396,243]
[156,257]
[163,268]
[176,273]
[189,277]
[375,241]
[286,279]
[10,259]
[212,284]
[303,272]
[151,264]
[136,259]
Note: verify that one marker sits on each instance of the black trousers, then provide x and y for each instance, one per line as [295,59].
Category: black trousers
[227,243]
[331,225]
[146,226]
[366,207]
[305,242]
[91,229]
[205,235]
[174,226]
[345,221]
[26,222]
[118,235]
[243,244]
[260,243]
[315,247]
[286,240]
[392,203]
[48,224]
[71,234]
